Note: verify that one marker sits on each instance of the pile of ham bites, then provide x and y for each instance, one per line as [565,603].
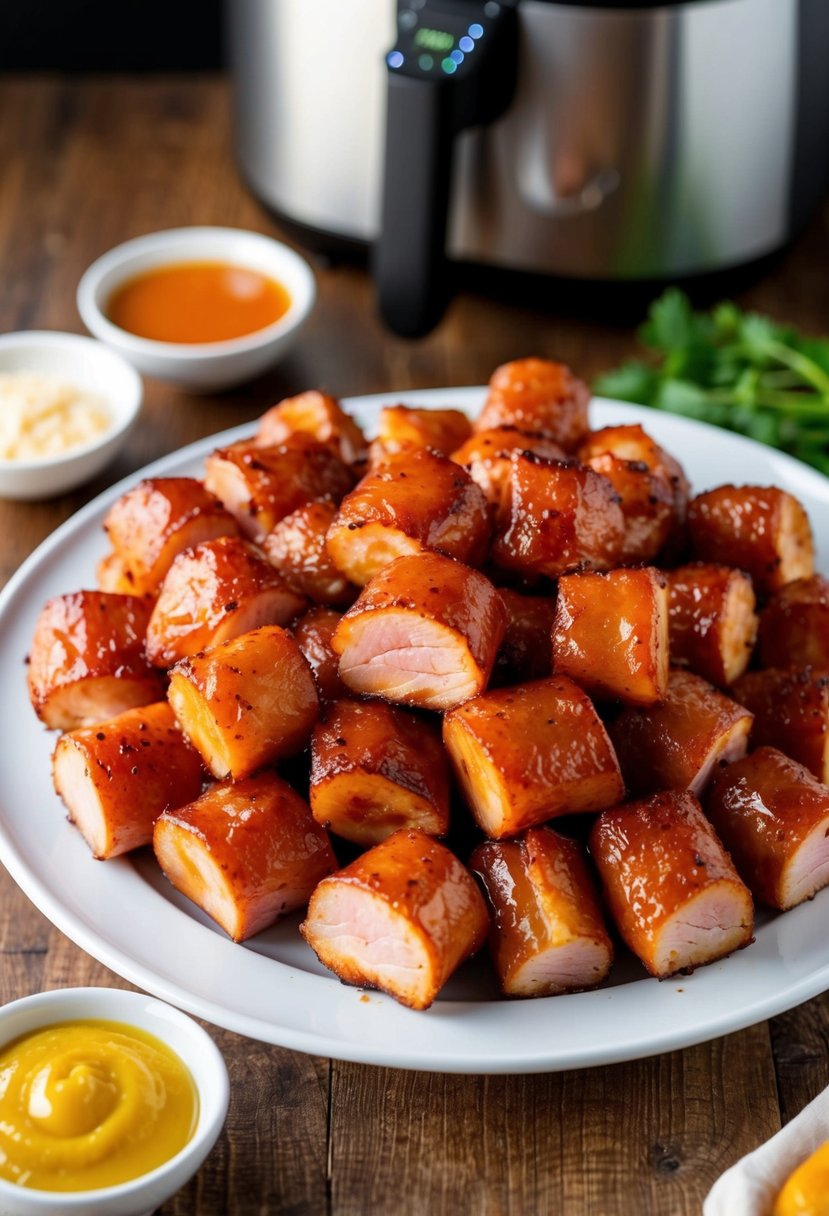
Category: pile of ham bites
[470,631]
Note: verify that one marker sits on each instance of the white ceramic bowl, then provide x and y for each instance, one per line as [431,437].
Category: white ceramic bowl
[184,1036]
[202,366]
[88,365]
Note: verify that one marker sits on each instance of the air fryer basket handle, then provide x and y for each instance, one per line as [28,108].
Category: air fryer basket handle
[426,109]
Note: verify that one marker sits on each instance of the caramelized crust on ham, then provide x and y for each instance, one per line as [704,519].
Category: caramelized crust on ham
[376,769]
[404,428]
[537,395]
[313,632]
[400,918]
[87,662]
[773,817]
[633,446]
[246,852]
[116,778]
[261,485]
[648,505]
[557,517]
[212,593]
[319,416]
[671,887]
[547,934]
[526,652]
[794,626]
[424,632]
[711,620]
[675,745]
[791,711]
[154,522]
[415,501]
[247,702]
[486,457]
[297,549]
[611,634]
[526,754]
[759,529]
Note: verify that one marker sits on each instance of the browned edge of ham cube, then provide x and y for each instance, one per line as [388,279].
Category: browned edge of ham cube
[375,769]
[402,428]
[548,935]
[711,620]
[246,852]
[527,753]
[674,745]
[297,548]
[318,415]
[424,632]
[417,500]
[791,711]
[247,702]
[212,593]
[671,887]
[87,660]
[773,817]
[486,456]
[116,778]
[611,634]
[794,626]
[526,653]
[537,395]
[313,632]
[401,918]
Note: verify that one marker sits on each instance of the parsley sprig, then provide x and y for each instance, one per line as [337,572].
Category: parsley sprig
[733,369]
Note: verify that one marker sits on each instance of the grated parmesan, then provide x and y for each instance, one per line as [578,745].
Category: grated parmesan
[43,415]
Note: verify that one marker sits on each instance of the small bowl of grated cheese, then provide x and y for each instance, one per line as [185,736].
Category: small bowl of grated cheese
[67,405]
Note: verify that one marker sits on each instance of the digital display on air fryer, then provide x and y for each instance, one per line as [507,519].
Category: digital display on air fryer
[427,47]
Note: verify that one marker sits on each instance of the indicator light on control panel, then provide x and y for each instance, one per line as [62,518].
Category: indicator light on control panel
[475,30]
[449,66]
[395,59]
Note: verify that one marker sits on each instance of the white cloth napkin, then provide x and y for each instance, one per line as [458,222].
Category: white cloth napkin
[751,1186]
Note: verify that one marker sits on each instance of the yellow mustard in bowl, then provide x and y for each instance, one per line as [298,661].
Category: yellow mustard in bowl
[89,1104]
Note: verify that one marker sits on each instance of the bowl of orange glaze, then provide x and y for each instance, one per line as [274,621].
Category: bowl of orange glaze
[109,1102]
[203,308]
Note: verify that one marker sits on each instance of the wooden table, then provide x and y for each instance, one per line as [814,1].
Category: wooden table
[87,164]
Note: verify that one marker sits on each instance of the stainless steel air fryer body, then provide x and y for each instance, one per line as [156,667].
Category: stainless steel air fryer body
[646,142]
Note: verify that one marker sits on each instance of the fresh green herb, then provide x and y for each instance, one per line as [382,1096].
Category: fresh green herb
[733,369]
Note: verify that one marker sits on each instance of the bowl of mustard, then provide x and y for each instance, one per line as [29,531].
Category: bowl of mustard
[109,1102]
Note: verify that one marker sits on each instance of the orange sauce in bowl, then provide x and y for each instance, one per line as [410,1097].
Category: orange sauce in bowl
[197,302]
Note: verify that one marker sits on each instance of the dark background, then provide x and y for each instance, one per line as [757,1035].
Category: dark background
[110,35]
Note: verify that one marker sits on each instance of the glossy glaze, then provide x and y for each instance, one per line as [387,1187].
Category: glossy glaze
[537,395]
[404,428]
[246,702]
[791,711]
[794,625]
[313,632]
[486,456]
[525,754]
[247,852]
[297,549]
[213,592]
[712,620]
[610,634]
[87,661]
[407,897]
[116,778]
[318,415]
[526,652]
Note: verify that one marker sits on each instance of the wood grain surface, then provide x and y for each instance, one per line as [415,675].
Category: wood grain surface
[88,163]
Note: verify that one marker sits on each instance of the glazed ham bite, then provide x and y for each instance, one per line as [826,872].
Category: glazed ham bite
[297,549]
[414,502]
[675,745]
[214,592]
[773,817]
[247,702]
[791,711]
[424,632]
[401,918]
[759,529]
[711,620]
[155,521]
[556,517]
[671,887]
[246,852]
[375,769]
[611,634]
[404,428]
[486,456]
[116,778]
[319,416]
[526,652]
[537,395]
[526,754]
[313,632]
[632,446]
[261,485]
[547,934]
[87,662]
[794,625]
